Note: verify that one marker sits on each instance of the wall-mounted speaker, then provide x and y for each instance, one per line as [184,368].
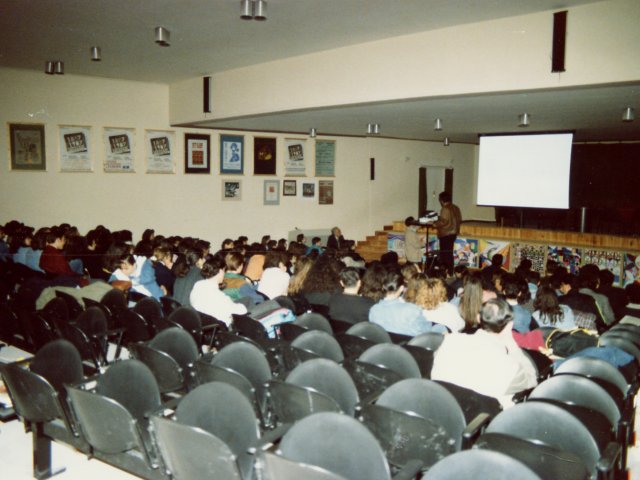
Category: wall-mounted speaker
[372,169]
[559,41]
[206,94]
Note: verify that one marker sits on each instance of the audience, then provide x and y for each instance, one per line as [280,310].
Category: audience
[348,305]
[430,294]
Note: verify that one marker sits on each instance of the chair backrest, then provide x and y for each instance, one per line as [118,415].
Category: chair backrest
[320,343]
[619,341]
[428,340]
[328,378]
[246,359]
[114,300]
[132,385]
[151,311]
[370,331]
[393,357]
[92,321]
[248,327]
[73,305]
[337,443]
[137,327]
[275,467]
[479,464]
[56,310]
[314,321]
[59,363]
[549,424]
[169,304]
[594,368]
[178,343]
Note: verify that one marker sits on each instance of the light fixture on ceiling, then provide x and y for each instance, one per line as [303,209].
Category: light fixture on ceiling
[446,141]
[438,125]
[313,132]
[628,114]
[163,36]
[524,119]
[373,129]
[253,10]
[49,68]
[96,54]
[59,67]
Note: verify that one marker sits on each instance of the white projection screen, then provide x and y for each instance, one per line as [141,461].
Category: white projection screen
[525,170]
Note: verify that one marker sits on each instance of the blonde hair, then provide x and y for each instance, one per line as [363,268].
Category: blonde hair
[426,292]
[303,265]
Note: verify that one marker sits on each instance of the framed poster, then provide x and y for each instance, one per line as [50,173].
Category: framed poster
[325,192]
[27,147]
[294,159]
[231,190]
[271,192]
[568,257]
[325,158]
[118,149]
[309,189]
[289,188]
[264,156]
[75,155]
[197,153]
[231,154]
[465,252]
[160,151]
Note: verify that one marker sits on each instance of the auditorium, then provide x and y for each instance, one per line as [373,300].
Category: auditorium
[205,122]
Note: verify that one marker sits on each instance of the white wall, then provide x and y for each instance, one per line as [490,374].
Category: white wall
[191,204]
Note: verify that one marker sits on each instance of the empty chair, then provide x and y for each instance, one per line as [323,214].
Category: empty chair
[189,319]
[90,336]
[170,355]
[113,416]
[73,305]
[136,327]
[428,340]
[361,336]
[312,344]
[314,321]
[479,464]
[151,311]
[115,301]
[169,304]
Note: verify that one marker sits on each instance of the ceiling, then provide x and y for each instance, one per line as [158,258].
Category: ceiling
[207,36]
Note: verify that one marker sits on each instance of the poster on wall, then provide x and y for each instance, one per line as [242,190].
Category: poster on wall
[271,192]
[294,159]
[197,153]
[569,257]
[231,154]
[118,148]
[27,147]
[308,190]
[325,192]
[488,248]
[395,243]
[465,252]
[75,155]
[160,151]
[605,260]
[325,158]
[537,254]
[264,156]
[231,190]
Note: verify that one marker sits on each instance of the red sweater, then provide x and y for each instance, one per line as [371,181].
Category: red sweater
[54,261]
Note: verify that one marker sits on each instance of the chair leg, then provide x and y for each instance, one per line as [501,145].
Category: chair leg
[42,454]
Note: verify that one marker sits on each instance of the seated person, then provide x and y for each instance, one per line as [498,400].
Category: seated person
[53,260]
[513,291]
[395,315]
[616,295]
[589,281]
[187,272]
[316,246]
[254,266]
[206,296]
[549,312]
[633,296]
[275,279]
[564,283]
[431,295]
[234,280]
[336,241]
[139,271]
[488,361]
[163,265]
[347,305]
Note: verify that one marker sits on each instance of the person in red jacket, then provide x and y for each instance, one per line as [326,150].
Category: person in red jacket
[53,260]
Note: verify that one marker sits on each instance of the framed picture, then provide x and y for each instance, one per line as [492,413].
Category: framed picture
[294,160]
[75,152]
[27,147]
[231,190]
[119,145]
[309,190]
[231,154]
[325,192]
[325,158]
[197,153]
[271,192]
[289,188]
[264,156]
[160,151]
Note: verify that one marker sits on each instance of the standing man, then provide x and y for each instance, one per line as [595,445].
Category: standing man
[448,227]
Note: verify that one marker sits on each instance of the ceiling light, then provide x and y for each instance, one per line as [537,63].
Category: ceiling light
[96,54]
[628,114]
[246,9]
[49,68]
[438,125]
[312,132]
[163,36]
[59,68]
[260,10]
[446,141]
[524,120]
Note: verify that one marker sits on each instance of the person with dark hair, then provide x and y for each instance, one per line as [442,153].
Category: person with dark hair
[616,295]
[565,282]
[53,260]
[348,305]
[206,296]
[549,312]
[187,270]
[512,290]
[163,265]
[336,241]
[148,235]
[323,280]
[448,228]
[488,361]
[139,271]
[589,281]
[234,280]
[275,279]
[316,246]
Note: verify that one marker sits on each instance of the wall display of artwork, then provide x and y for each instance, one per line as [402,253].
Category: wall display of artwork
[395,243]
[631,269]
[231,154]
[271,192]
[27,147]
[289,188]
[488,248]
[465,252]
[308,190]
[325,158]
[231,190]
[294,158]
[160,151]
[537,254]
[119,145]
[605,260]
[325,192]
[75,154]
[569,257]
[264,156]
[197,153]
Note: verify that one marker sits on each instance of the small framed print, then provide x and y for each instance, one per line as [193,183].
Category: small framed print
[231,190]
[27,147]
[325,192]
[271,192]
[264,156]
[197,153]
[289,188]
[231,154]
